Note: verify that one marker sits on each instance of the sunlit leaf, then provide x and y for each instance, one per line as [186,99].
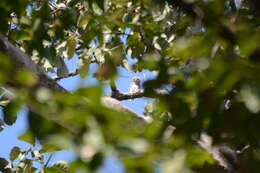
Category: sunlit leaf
[28,137]
[97,8]
[53,170]
[84,20]
[83,67]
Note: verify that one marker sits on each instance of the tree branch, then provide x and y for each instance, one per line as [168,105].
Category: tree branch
[21,60]
[71,74]
[126,96]
[74,73]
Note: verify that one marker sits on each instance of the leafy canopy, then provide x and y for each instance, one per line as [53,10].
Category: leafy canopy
[208,51]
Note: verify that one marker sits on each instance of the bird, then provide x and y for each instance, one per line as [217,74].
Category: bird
[135,85]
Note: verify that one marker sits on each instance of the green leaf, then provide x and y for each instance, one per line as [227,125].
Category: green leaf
[96,8]
[3,164]
[14,153]
[63,165]
[26,77]
[84,20]
[47,147]
[197,157]
[96,161]
[27,136]
[120,2]
[58,142]
[127,65]
[176,163]
[10,112]
[251,97]
[62,69]
[71,46]
[42,127]
[99,54]
[83,67]
[53,170]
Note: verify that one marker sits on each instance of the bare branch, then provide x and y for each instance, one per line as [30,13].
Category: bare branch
[126,96]
[140,93]
[72,74]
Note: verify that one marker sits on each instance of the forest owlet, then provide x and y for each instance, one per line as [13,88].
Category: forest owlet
[135,85]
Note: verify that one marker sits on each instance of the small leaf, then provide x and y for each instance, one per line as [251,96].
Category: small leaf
[97,10]
[84,20]
[27,136]
[63,165]
[99,55]
[62,68]
[197,157]
[127,65]
[136,18]
[14,153]
[251,97]
[3,166]
[157,46]
[71,46]
[10,112]
[83,67]
[53,170]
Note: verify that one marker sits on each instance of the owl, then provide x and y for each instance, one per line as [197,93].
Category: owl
[135,85]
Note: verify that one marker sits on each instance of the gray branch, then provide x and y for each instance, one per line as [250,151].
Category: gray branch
[141,93]
[21,60]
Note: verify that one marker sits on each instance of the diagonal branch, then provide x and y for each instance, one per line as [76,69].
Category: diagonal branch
[21,60]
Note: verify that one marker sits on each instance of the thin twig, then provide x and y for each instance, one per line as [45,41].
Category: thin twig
[71,74]
[74,73]
[49,159]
